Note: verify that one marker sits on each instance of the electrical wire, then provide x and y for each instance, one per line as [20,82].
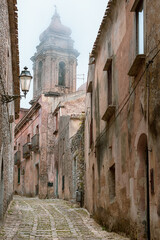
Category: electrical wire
[129,96]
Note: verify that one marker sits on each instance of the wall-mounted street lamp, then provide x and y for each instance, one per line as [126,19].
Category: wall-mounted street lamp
[25,81]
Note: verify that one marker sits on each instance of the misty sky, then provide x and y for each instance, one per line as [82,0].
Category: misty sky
[82,16]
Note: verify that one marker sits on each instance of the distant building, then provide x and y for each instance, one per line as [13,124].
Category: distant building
[122,129]
[9,84]
[36,133]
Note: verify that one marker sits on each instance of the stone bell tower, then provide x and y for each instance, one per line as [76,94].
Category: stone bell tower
[55,62]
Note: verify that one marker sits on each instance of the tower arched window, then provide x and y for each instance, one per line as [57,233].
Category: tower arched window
[40,65]
[62,73]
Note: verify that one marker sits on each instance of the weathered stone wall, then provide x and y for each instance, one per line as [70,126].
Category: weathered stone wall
[71,157]
[78,163]
[120,190]
[7,35]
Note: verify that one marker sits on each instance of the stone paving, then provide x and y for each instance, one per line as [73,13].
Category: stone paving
[35,219]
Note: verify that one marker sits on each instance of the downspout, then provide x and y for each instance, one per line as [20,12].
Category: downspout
[148,142]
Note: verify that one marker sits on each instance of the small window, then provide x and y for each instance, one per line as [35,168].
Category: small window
[19,146]
[140,28]
[62,73]
[2,171]
[91,133]
[37,129]
[109,75]
[19,175]
[56,118]
[63,183]
[112,183]
[91,123]
[40,67]
[28,138]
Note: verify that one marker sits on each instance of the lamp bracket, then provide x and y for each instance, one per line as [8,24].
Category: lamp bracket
[9,98]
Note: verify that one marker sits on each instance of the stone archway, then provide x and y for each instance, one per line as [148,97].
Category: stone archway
[1,190]
[143,188]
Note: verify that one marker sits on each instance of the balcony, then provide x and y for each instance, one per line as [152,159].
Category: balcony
[35,143]
[110,111]
[26,150]
[17,158]
[137,65]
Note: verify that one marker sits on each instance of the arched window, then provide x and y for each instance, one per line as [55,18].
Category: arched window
[62,73]
[40,65]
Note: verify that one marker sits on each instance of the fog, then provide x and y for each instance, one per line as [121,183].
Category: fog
[83,17]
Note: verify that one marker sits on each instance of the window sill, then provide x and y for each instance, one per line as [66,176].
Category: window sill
[109,113]
[137,63]
[61,86]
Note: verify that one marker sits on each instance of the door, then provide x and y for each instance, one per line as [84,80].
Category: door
[37,179]
[1,191]
[57,182]
[143,199]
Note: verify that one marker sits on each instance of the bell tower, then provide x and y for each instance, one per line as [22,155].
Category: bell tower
[55,62]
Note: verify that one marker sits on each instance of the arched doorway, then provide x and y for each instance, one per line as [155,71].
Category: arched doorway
[143,188]
[1,190]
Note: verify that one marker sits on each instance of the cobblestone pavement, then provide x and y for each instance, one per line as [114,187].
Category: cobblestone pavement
[35,219]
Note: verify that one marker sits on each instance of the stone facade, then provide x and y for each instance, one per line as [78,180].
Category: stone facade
[70,163]
[122,120]
[9,84]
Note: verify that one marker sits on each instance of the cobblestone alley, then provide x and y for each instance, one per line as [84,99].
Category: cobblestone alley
[35,219]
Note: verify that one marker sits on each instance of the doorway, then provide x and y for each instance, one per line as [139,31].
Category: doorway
[143,188]
[57,182]
[93,188]
[37,179]
[1,190]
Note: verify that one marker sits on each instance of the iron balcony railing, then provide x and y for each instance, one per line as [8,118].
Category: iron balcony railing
[17,158]
[35,143]
[26,150]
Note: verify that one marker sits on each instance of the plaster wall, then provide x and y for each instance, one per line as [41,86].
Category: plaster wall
[116,180]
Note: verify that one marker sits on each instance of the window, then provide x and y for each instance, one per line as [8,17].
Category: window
[2,171]
[19,175]
[28,138]
[19,146]
[37,129]
[62,183]
[140,28]
[40,65]
[109,74]
[91,124]
[112,183]
[56,117]
[62,73]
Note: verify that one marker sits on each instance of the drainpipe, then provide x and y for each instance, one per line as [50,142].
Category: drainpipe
[148,142]
[147,156]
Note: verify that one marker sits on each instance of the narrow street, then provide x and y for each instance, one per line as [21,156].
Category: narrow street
[35,219]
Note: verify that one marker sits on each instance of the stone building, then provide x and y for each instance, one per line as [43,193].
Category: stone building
[9,85]
[36,133]
[122,120]
[70,145]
